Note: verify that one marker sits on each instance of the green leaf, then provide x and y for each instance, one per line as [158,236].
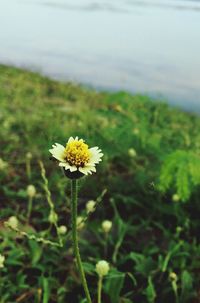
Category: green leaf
[46,290]
[150,291]
[114,284]
[186,286]
[36,251]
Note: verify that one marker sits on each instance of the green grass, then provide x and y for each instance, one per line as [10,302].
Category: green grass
[145,245]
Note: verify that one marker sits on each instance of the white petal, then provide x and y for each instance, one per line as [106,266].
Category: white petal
[72,168]
[58,152]
[87,169]
[71,139]
[64,164]
[96,155]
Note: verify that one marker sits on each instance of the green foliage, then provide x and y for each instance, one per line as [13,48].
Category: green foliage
[114,284]
[180,172]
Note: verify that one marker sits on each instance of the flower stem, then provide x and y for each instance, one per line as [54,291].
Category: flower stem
[30,205]
[74,194]
[99,289]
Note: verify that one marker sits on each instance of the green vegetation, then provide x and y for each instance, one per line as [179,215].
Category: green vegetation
[147,185]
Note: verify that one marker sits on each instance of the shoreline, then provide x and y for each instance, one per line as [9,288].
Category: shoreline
[110,90]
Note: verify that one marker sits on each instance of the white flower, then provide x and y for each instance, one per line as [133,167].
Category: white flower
[62,229]
[102,268]
[106,226]
[132,153]
[76,156]
[31,191]
[176,198]
[90,206]
[2,260]
[13,222]
[80,223]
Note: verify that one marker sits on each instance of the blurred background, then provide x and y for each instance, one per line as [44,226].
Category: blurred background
[142,46]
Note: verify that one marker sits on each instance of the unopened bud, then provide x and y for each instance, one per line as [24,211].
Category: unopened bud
[173,276]
[102,268]
[62,229]
[80,223]
[2,260]
[53,217]
[12,222]
[106,226]
[90,206]
[176,198]
[132,153]
[31,191]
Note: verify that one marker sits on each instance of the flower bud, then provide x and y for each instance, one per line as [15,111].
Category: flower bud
[176,198]
[90,206]
[80,223]
[173,276]
[179,229]
[132,153]
[62,229]
[106,226]
[13,222]
[53,217]
[102,268]
[31,191]
[2,260]
[136,131]
[29,156]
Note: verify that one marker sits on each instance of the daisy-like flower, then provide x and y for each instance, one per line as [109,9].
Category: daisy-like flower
[76,158]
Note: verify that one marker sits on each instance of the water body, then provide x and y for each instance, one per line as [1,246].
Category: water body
[143,46]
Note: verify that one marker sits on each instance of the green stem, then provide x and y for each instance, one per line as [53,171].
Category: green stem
[30,205]
[99,289]
[74,194]
[28,168]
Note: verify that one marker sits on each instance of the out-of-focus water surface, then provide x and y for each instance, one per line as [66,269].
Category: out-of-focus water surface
[143,46]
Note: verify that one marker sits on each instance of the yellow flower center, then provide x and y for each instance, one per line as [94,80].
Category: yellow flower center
[77,153]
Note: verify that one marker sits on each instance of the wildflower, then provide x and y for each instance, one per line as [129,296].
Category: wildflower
[106,226]
[76,158]
[90,206]
[31,191]
[102,268]
[29,156]
[62,229]
[53,217]
[2,260]
[173,276]
[80,223]
[132,153]
[3,164]
[176,198]
[13,222]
